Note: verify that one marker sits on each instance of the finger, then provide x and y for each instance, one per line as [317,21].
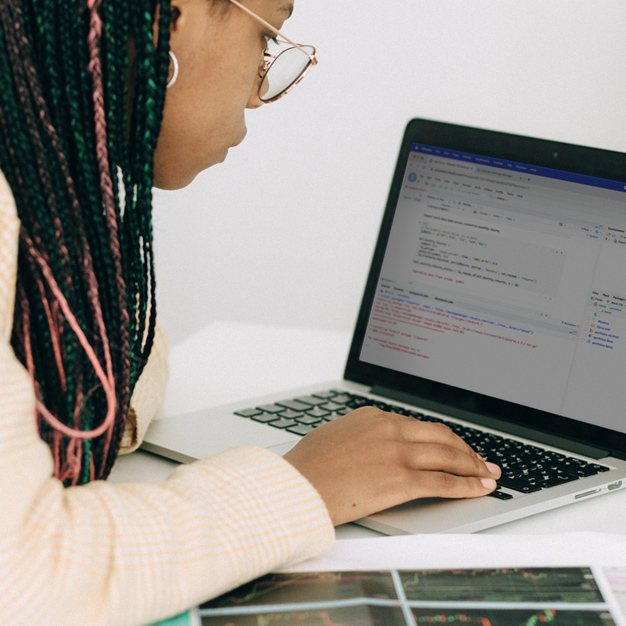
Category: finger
[410,429]
[433,432]
[397,428]
[494,469]
[436,457]
[442,485]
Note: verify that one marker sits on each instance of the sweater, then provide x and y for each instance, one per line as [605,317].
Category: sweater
[125,554]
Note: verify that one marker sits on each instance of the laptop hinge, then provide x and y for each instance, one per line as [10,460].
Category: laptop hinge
[493,422]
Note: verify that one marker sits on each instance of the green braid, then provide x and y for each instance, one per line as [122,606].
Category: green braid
[82,183]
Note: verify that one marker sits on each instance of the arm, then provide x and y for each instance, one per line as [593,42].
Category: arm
[132,554]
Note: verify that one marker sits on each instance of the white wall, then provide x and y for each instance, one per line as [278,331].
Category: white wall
[283,232]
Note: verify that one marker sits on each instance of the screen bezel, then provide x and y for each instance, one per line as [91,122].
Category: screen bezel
[533,151]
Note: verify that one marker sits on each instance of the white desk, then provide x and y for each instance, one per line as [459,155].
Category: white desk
[226,362]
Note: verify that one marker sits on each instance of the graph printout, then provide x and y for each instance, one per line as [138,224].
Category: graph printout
[564,596]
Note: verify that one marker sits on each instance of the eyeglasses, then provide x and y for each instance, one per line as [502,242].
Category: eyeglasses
[281,72]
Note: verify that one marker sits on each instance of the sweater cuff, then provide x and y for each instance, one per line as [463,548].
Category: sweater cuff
[281,517]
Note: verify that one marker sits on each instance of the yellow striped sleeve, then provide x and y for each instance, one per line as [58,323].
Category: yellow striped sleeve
[104,554]
[9,230]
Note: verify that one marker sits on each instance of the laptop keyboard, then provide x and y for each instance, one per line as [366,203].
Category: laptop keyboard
[525,468]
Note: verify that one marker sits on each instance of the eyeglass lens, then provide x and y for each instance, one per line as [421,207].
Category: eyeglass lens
[285,71]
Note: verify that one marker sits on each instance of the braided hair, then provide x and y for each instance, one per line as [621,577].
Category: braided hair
[80,166]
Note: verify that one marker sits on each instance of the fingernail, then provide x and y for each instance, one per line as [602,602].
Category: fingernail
[493,468]
[488,483]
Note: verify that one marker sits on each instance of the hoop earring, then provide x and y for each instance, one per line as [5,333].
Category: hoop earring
[175,76]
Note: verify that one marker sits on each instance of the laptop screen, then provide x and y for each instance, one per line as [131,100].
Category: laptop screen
[506,279]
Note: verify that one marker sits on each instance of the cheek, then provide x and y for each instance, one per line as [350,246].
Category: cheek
[204,115]
[193,139]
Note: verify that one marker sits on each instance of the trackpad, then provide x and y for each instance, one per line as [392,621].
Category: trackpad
[194,436]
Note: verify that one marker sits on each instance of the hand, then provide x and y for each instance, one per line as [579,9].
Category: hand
[369,460]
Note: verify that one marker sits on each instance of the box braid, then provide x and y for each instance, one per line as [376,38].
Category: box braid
[81,172]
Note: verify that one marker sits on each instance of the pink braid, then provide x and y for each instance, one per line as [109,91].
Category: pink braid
[107,380]
[106,184]
[54,334]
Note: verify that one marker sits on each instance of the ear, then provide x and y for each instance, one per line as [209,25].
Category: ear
[194,23]
[176,17]
[179,15]
[186,14]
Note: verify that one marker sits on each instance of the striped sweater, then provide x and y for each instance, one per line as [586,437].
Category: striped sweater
[133,553]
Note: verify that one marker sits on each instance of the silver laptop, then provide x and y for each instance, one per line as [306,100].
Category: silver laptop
[496,302]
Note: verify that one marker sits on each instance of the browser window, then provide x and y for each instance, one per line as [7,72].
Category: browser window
[507,280]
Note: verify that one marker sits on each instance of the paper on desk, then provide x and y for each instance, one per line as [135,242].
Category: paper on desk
[479,579]
[470,551]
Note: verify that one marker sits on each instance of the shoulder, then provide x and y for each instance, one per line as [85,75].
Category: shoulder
[8,212]
[9,231]
[6,195]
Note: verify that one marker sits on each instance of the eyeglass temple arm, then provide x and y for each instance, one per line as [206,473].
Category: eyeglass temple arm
[268,25]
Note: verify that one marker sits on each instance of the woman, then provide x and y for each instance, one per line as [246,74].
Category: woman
[99,101]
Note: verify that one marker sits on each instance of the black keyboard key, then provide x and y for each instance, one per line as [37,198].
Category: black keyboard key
[340,398]
[333,416]
[248,412]
[325,395]
[400,411]
[554,456]
[283,423]
[331,406]
[301,429]
[265,418]
[600,468]
[383,406]
[271,408]
[308,419]
[430,418]
[518,485]
[554,479]
[344,411]
[575,466]
[292,415]
[311,400]
[495,456]
[294,405]
[317,412]
[583,471]
[357,401]
[501,495]
[515,468]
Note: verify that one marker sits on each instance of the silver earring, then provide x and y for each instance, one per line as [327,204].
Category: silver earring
[175,76]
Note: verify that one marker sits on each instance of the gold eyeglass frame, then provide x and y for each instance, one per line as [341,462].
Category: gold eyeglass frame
[269,58]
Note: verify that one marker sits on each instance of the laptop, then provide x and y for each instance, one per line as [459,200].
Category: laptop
[496,303]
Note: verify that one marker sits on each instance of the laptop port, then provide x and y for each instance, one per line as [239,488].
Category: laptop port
[615,485]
